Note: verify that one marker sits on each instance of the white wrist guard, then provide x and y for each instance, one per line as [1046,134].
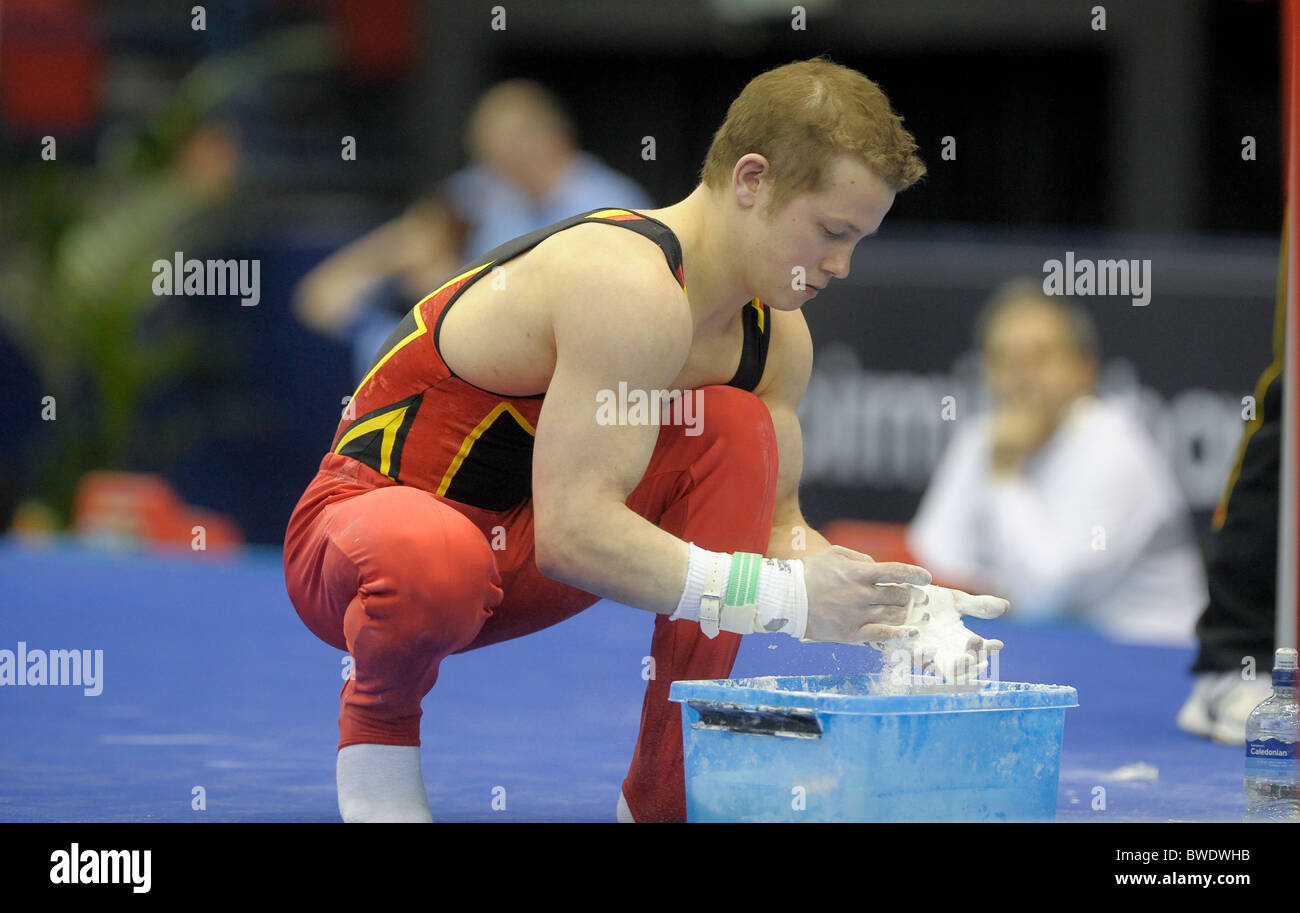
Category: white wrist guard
[744,593]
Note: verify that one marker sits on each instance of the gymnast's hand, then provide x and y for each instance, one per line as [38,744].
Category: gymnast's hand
[946,647]
[853,599]
[978,606]
[945,608]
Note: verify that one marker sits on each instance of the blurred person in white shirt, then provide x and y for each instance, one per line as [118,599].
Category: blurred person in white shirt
[1055,499]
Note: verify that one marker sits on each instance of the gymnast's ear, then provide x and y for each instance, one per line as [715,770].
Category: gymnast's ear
[751,180]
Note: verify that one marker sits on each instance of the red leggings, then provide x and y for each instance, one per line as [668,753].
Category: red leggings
[401,578]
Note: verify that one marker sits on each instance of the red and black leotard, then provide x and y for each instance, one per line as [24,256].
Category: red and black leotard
[414,421]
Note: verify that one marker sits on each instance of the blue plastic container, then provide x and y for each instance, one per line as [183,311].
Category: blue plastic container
[853,748]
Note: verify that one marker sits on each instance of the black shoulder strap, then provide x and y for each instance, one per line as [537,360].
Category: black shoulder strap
[653,229]
[753,354]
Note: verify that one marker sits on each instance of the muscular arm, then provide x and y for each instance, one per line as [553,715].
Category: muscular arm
[631,325]
[783,386]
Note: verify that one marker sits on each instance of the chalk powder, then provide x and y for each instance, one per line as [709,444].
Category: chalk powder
[943,647]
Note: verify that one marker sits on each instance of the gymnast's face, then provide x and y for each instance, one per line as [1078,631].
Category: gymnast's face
[815,230]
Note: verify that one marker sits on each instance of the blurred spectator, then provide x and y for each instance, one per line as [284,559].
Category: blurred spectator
[528,173]
[1057,500]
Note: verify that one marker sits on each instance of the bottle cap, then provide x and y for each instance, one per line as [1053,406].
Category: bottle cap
[1285,658]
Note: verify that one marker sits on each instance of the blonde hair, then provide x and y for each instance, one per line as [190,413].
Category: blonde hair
[800,117]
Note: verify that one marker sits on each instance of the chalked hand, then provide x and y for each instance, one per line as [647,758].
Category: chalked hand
[853,599]
[945,647]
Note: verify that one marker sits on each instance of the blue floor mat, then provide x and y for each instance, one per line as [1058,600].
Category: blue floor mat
[212,688]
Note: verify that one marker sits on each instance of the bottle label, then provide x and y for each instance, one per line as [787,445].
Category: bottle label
[1272,759]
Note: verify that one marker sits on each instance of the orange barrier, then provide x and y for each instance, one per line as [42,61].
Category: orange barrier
[123,507]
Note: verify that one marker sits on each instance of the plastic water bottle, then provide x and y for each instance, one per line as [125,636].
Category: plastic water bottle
[1272,732]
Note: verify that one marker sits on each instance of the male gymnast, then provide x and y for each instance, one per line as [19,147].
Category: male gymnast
[480,425]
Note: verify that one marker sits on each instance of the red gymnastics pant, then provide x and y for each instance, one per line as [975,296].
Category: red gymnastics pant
[401,578]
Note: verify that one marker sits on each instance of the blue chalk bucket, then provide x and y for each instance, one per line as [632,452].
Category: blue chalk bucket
[871,748]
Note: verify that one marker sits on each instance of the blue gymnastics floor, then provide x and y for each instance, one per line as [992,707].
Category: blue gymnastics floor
[210,680]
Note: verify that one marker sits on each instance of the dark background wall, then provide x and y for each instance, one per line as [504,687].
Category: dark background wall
[1125,140]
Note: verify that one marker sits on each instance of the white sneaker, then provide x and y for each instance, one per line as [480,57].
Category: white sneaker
[1234,707]
[1197,713]
[1219,704]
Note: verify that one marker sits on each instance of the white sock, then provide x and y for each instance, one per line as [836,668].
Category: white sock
[624,813]
[382,783]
